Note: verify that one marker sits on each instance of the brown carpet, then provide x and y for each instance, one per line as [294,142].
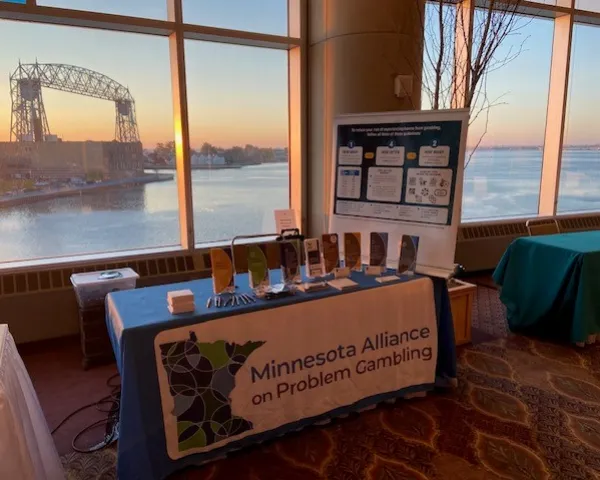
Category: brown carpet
[523,409]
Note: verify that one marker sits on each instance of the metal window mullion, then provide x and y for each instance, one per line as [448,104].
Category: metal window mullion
[181,126]
[298,111]
[556,114]
[463,47]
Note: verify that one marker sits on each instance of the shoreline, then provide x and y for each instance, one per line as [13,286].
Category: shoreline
[32,197]
[148,166]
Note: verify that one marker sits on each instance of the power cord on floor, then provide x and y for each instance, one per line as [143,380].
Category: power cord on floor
[113,400]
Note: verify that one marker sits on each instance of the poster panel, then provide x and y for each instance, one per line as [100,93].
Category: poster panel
[401,172]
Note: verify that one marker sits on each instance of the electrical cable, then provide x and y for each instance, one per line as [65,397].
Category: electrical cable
[111,421]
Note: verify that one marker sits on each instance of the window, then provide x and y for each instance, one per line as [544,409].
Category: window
[580,169]
[264,16]
[72,172]
[87,126]
[156,9]
[590,5]
[506,136]
[238,109]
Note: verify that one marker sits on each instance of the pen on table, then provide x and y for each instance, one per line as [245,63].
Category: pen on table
[208,302]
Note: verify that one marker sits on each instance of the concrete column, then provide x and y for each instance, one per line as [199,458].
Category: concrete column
[356,50]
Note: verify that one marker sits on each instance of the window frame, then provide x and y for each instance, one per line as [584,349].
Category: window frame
[565,15]
[176,30]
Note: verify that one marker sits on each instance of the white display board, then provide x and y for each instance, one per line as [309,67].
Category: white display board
[401,173]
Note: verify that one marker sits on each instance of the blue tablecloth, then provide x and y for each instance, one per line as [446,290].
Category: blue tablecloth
[551,285]
[142,451]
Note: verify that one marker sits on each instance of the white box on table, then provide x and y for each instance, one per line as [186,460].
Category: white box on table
[92,287]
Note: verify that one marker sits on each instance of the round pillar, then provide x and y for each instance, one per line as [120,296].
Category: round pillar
[357,48]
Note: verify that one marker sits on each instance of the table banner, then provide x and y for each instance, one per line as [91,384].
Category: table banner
[226,379]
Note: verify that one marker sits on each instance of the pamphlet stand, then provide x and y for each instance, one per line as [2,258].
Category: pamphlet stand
[247,237]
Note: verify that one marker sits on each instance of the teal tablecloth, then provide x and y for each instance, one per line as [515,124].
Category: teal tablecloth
[551,285]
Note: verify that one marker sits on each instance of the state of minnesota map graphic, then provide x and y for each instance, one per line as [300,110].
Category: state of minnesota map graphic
[201,377]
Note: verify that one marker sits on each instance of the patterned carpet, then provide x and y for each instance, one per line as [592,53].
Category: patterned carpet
[523,409]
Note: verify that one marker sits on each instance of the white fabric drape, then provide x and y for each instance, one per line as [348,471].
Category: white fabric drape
[27,451]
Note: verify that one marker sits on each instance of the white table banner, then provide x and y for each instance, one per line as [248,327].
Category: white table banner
[226,379]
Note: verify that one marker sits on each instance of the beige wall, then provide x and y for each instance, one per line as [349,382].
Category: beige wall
[356,49]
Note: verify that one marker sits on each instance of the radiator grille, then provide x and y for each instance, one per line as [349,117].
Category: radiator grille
[479,246]
[576,224]
[58,279]
[476,232]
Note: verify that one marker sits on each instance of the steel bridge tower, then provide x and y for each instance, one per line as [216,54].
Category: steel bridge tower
[29,122]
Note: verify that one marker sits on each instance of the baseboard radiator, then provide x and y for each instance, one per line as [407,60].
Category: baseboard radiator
[40,305]
[480,246]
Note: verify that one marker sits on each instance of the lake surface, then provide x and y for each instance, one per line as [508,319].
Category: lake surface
[498,183]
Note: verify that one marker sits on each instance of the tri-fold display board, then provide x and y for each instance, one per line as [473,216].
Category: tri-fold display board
[402,173]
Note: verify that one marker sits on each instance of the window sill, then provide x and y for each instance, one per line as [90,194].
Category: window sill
[86,259]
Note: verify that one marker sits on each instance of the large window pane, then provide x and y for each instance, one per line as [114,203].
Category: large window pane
[262,16]
[238,107]
[505,143]
[580,171]
[71,164]
[156,9]
[590,5]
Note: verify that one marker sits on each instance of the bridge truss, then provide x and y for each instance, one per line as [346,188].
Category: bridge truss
[29,122]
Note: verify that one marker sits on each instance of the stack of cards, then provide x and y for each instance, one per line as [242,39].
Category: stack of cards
[180,301]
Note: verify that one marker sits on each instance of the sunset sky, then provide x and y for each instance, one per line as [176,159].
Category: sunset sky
[238,95]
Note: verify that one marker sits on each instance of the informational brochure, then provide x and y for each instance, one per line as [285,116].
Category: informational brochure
[314,262]
[222,270]
[290,261]
[378,249]
[258,267]
[407,254]
[352,251]
[331,251]
[285,220]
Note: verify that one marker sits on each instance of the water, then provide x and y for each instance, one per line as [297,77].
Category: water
[498,183]
[226,203]
[506,183]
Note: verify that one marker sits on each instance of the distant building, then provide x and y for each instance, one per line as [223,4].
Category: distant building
[64,160]
[207,160]
[280,154]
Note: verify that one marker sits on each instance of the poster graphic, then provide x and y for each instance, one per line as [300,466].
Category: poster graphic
[411,177]
[349,181]
[429,186]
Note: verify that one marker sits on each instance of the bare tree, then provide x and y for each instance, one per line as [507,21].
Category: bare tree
[461,47]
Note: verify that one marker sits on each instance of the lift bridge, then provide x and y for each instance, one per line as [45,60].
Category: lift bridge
[29,122]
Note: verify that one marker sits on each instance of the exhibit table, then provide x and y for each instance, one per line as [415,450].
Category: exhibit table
[551,285]
[195,386]
[27,451]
